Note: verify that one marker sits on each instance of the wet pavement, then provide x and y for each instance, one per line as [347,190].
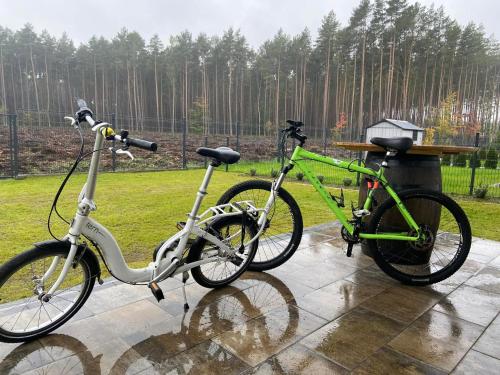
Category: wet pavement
[319,313]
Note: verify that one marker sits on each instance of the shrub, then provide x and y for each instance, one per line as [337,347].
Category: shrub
[446,160]
[300,176]
[347,182]
[321,178]
[253,172]
[274,173]
[491,159]
[481,191]
[482,154]
[460,160]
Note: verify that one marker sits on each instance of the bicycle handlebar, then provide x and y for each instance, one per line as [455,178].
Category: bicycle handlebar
[294,130]
[141,143]
[85,114]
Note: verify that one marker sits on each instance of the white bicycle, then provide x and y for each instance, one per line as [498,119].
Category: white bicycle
[42,288]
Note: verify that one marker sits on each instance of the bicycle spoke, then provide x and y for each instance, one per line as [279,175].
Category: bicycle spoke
[22,309]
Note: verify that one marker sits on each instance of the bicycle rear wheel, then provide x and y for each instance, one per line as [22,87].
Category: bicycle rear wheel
[283,230]
[433,259]
[226,267]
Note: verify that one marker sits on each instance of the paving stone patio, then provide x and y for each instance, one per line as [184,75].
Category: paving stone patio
[320,313]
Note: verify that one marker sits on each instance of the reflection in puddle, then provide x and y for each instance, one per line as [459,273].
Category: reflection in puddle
[179,343]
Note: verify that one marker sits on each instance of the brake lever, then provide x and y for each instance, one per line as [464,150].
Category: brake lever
[125,152]
[73,121]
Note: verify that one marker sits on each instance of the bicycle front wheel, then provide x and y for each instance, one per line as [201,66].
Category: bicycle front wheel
[24,315]
[283,230]
[442,251]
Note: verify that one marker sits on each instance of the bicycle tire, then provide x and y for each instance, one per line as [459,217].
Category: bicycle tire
[296,223]
[380,255]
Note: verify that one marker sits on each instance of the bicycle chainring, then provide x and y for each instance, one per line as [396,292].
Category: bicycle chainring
[347,237]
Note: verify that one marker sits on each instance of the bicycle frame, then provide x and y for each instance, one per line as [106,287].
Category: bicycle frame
[298,159]
[167,260]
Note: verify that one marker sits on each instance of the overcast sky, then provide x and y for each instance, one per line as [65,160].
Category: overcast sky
[257,19]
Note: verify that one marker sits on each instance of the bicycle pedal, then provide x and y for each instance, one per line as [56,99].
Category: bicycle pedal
[361,213]
[156,290]
[349,249]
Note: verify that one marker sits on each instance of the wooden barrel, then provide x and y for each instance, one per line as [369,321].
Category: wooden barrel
[407,171]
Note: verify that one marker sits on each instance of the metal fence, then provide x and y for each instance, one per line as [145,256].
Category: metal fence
[34,143]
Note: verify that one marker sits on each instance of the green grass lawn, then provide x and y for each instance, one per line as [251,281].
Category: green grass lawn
[141,209]
[456,180]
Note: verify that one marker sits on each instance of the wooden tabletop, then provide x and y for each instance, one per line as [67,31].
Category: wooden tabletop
[416,149]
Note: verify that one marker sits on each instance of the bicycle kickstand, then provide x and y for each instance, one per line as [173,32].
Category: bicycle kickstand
[185,277]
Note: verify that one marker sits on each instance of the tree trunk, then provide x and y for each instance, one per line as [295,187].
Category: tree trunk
[156,97]
[326,88]
[351,114]
[380,114]
[4,92]
[361,89]
[22,83]
[48,90]
[36,87]
[370,119]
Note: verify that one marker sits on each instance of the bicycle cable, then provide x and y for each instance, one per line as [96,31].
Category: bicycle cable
[63,184]
[80,157]
[361,161]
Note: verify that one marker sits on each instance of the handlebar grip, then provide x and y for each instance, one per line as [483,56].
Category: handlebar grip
[89,119]
[140,143]
[83,111]
[82,104]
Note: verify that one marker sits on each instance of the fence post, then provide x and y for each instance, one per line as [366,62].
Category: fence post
[184,161]
[280,153]
[11,145]
[227,145]
[206,145]
[113,155]
[238,136]
[360,155]
[473,161]
[282,156]
[324,144]
[14,146]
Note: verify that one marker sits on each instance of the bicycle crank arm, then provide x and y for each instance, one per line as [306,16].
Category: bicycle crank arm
[166,272]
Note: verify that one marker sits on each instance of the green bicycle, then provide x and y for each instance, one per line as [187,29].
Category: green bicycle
[416,236]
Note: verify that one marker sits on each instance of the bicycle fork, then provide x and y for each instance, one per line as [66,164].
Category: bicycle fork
[46,296]
[276,185]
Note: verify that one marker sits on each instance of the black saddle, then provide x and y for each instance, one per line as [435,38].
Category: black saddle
[222,154]
[401,144]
